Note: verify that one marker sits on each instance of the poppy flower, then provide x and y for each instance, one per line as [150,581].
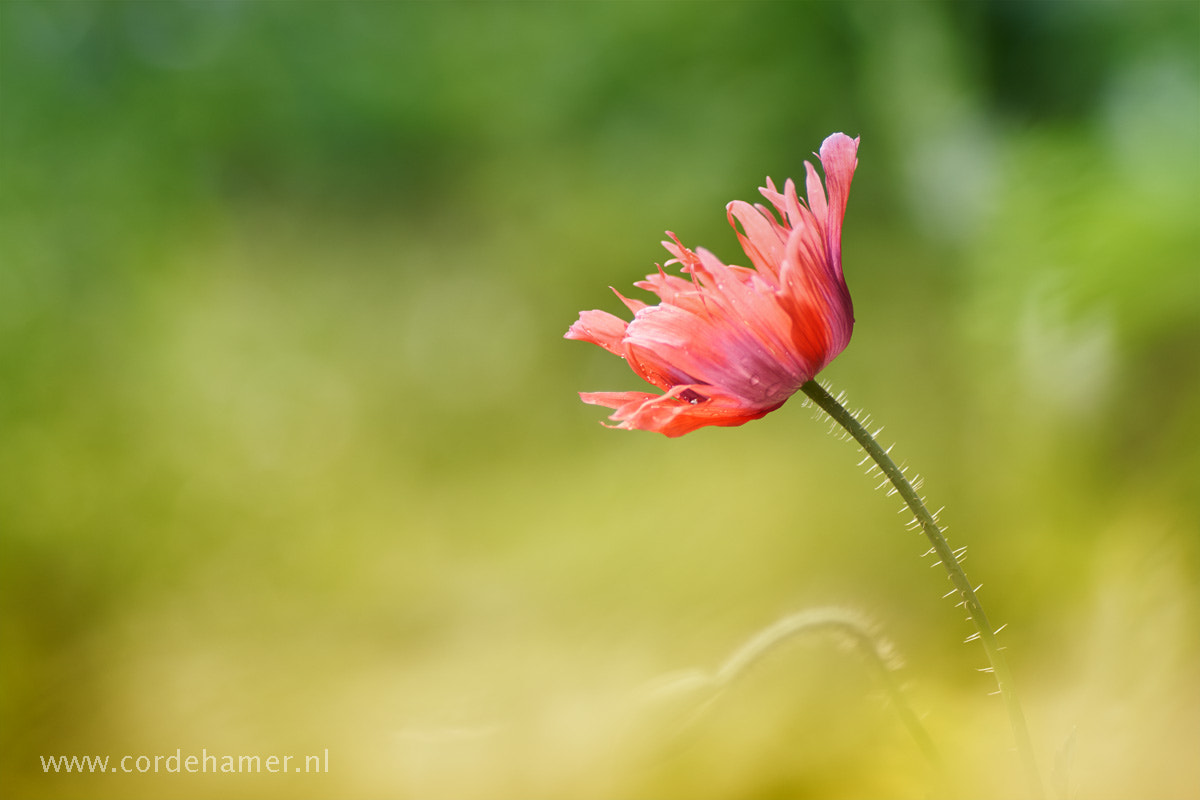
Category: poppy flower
[730,344]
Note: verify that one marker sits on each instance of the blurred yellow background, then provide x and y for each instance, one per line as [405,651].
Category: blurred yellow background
[291,457]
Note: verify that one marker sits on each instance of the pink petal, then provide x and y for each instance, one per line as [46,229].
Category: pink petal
[816,196]
[839,157]
[599,327]
[763,241]
[633,305]
[616,399]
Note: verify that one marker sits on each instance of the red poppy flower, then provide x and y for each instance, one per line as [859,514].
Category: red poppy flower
[733,343]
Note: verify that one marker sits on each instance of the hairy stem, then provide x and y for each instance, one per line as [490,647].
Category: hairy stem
[949,559]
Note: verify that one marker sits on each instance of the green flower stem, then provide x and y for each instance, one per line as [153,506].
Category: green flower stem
[949,559]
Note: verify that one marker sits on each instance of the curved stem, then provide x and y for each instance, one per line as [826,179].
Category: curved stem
[949,559]
[850,625]
[855,629]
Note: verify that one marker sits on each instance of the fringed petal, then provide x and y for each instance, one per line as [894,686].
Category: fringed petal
[728,344]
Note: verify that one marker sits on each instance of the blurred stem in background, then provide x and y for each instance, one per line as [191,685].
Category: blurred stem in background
[876,650]
[950,560]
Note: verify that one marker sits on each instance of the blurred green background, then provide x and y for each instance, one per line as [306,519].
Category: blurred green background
[291,457]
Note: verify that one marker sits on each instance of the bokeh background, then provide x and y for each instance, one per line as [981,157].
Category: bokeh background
[291,457]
